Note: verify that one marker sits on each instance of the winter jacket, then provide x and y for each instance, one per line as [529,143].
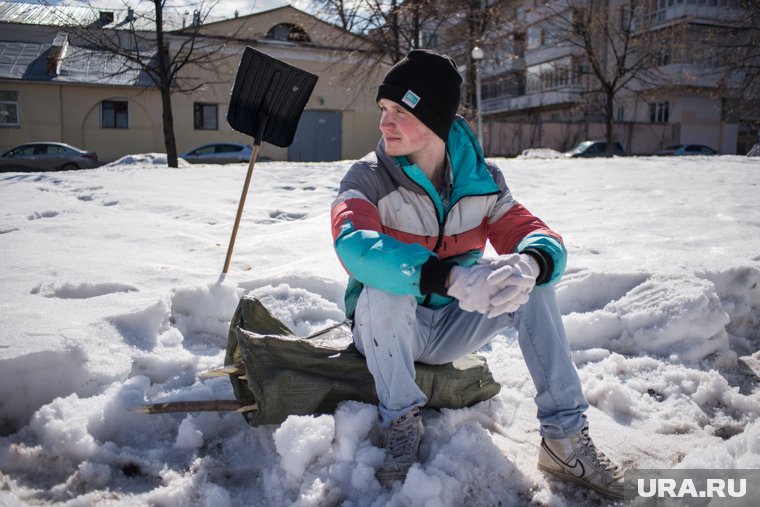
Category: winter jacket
[394,231]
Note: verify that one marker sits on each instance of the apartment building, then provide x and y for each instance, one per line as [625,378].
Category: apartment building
[53,87]
[537,84]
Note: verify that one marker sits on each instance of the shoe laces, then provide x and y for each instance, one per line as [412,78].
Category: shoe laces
[589,450]
[402,435]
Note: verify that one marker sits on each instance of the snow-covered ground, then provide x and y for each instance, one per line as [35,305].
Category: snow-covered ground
[110,297]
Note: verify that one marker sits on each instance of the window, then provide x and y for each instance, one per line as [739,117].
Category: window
[288,32]
[56,149]
[205,116]
[205,150]
[621,113]
[210,149]
[114,114]
[551,38]
[49,149]
[428,39]
[663,57]
[626,16]
[23,151]
[657,11]
[228,148]
[9,116]
[659,112]
[534,37]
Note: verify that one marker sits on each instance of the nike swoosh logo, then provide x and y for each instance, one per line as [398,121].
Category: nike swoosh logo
[577,469]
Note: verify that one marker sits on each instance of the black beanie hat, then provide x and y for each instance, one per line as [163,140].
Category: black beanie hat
[427,84]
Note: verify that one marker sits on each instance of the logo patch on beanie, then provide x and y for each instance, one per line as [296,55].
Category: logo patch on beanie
[411,99]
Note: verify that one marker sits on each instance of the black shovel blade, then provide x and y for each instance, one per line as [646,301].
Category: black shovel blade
[268,98]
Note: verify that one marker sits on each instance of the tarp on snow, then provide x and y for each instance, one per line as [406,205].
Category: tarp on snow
[288,375]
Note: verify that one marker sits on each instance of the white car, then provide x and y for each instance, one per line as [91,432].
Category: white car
[219,153]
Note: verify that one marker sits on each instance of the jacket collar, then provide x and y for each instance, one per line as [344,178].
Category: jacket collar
[465,163]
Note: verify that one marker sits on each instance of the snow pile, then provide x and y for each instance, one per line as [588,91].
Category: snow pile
[677,317]
[144,159]
[545,153]
[112,297]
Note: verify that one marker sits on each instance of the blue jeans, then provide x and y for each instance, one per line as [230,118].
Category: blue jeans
[393,332]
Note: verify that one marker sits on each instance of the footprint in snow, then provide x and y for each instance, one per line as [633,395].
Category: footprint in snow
[283,216]
[45,214]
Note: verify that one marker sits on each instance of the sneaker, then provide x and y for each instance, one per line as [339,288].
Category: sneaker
[577,459]
[402,441]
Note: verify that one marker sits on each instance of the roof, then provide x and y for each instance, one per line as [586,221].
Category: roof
[40,14]
[29,61]
[254,26]
[73,15]
[283,8]
[34,45]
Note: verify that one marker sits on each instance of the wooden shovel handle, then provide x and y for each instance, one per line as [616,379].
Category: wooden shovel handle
[241,205]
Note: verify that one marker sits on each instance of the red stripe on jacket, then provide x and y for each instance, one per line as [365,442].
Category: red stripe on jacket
[507,232]
[364,216]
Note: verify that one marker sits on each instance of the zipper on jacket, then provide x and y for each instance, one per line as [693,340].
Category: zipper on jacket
[442,221]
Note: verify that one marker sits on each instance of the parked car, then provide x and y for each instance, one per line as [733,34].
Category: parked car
[219,153]
[595,149]
[687,149]
[47,157]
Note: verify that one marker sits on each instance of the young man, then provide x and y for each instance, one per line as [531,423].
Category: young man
[410,225]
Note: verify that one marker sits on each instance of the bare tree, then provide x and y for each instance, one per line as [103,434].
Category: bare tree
[142,43]
[736,44]
[393,27]
[617,48]
[388,30]
[483,23]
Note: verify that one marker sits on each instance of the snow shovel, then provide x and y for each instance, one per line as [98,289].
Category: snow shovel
[267,100]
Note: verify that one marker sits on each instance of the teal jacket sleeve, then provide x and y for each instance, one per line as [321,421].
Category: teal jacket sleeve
[378,260]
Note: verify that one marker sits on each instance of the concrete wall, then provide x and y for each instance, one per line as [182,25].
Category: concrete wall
[702,123]
[700,119]
[511,138]
[70,113]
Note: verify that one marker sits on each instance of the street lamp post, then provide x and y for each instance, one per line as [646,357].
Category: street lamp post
[477,55]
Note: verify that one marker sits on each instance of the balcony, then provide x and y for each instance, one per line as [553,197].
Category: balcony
[668,15]
[685,74]
[548,53]
[566,95]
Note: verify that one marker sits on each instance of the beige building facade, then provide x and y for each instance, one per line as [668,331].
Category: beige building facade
[47,95]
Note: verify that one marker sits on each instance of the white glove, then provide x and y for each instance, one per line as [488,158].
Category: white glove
[496,286]
[511,282]
[470,287]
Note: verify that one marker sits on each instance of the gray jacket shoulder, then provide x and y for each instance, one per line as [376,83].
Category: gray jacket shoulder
[497,174]
[363,176]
